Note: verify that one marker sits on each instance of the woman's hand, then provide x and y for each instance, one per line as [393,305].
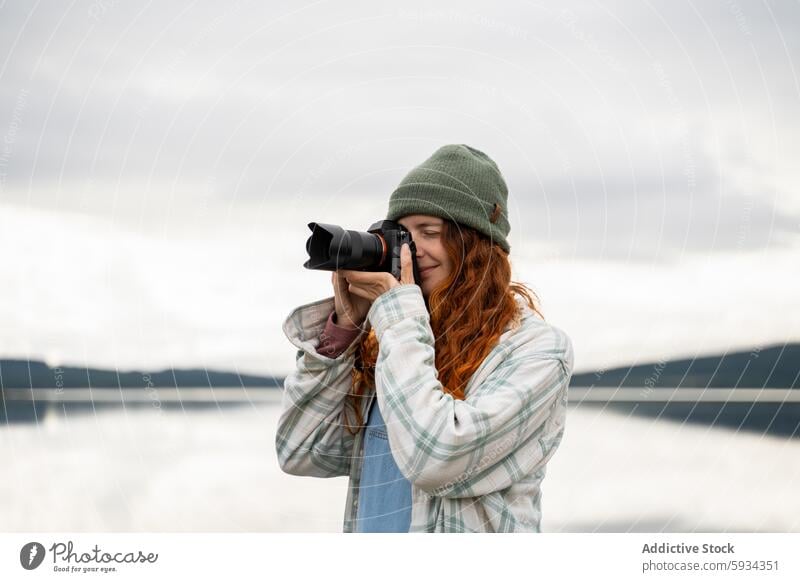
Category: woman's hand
[351,310]
[369,286]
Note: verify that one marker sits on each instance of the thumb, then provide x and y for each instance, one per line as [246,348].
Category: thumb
[406,268]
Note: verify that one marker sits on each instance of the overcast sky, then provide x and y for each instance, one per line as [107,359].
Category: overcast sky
[158,165]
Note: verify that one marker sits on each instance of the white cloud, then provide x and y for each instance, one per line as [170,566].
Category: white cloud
[175,153]
[81,290]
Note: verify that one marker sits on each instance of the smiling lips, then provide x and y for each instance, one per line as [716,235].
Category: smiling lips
[426,270]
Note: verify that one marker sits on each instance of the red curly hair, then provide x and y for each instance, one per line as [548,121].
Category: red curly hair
[468,313]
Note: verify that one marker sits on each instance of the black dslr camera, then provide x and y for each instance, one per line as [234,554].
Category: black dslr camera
[331,247]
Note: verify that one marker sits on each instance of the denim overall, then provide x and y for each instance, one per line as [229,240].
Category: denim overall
[384,499]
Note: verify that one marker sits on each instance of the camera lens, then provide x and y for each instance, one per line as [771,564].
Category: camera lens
[331,247]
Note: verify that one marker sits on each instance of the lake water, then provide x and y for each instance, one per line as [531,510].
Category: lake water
[147,469]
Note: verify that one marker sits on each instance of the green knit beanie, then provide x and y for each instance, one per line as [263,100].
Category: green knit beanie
[457,183]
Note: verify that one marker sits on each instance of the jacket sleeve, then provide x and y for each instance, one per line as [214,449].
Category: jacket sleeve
[311,438]
[506,428]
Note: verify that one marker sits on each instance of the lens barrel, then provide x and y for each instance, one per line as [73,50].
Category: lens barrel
[330,247]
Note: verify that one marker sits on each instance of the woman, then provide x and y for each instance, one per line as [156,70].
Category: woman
[462,384]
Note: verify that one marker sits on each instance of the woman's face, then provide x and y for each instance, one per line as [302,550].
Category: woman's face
[434,264]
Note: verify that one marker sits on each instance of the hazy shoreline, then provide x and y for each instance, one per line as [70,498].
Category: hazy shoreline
[215,470]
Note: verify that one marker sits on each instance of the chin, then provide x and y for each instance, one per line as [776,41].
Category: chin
[428,287]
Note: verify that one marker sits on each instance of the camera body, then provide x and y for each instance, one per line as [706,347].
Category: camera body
[330,248]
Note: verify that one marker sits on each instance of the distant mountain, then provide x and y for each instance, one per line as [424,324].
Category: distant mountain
[36,374]
[773,367]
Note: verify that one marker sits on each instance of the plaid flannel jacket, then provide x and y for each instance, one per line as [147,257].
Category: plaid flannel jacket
[475,465]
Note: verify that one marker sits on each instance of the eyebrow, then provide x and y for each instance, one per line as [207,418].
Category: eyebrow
[423,224]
